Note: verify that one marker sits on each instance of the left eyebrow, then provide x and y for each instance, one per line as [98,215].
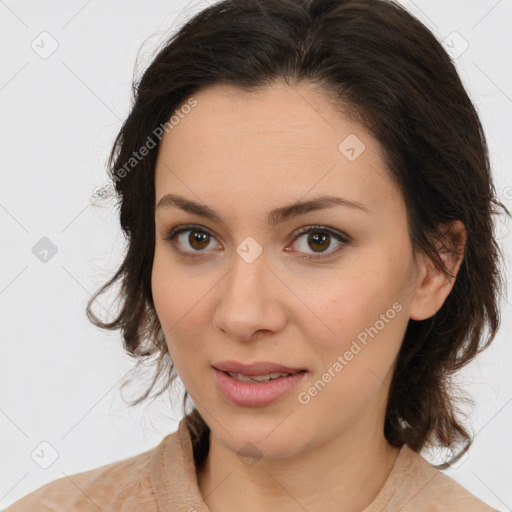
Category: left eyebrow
[276,216]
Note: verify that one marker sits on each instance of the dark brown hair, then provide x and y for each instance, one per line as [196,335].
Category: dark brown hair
[387,70]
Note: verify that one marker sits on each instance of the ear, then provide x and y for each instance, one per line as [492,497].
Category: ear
[432,285]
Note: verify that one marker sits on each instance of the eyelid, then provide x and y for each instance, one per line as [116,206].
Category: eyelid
[339,236]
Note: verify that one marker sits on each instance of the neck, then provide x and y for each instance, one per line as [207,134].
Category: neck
[350,469]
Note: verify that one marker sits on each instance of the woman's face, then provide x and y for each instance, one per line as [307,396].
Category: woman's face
[249,287]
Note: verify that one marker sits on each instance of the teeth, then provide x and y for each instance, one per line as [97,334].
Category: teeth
[257,378]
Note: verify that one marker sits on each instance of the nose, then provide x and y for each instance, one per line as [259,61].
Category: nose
[251,301]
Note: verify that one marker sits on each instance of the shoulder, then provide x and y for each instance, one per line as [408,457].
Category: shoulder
[430,490]
[113,486]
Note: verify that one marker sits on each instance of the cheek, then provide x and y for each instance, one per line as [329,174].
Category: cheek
[369,324]
[360,318]
[171,298]
[175,293]
[180,302]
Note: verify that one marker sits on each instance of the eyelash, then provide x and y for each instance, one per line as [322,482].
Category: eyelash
[340,237]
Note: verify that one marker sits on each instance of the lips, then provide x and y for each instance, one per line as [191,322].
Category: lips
[256,368]
[254,391]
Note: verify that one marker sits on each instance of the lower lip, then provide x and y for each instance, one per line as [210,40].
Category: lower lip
[246,394]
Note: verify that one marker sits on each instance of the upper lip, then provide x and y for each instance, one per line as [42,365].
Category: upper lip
[256,368]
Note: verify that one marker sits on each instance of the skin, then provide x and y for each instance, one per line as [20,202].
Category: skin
[244,154]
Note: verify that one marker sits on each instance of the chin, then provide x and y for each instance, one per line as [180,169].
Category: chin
[264,443]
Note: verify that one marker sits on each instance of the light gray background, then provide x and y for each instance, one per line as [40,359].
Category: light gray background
[60,375]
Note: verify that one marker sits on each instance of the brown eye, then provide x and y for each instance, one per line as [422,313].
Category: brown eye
[198,240]
[319,239]
[319,242]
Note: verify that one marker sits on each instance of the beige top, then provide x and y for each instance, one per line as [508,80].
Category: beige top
[163,479]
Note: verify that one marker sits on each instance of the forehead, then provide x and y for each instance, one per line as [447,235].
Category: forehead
[278,116]
[271,142]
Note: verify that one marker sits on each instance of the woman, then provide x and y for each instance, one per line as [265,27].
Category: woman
[311,250]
